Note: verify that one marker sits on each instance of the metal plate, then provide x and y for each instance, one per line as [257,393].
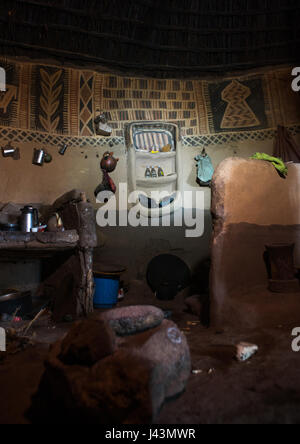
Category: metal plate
[11,295]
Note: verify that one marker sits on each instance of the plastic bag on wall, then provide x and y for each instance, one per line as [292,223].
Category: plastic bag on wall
[205,169]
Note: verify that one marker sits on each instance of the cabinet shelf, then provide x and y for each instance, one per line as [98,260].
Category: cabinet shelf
[156,182]
[150,156]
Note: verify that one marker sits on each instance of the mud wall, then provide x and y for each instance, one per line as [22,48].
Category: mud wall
[253,206]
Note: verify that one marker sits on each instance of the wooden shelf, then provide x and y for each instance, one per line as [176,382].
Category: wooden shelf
[155,182]
[18,241]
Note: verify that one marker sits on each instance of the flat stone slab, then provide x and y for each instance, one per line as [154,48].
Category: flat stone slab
[127,321]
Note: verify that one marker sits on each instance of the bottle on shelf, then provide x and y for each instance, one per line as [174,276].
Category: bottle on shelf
[153,173]
[148,172]
[160,172]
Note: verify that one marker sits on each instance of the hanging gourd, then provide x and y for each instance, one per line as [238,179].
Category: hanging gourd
[108,165]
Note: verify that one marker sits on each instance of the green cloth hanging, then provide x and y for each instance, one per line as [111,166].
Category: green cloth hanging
[276,162]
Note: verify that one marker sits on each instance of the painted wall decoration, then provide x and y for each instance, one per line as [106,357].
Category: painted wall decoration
[58,105]
[50,100]
[237,105]
[128,100]
[86,104]
[238,113]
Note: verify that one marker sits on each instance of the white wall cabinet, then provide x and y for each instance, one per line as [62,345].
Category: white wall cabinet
[145,143]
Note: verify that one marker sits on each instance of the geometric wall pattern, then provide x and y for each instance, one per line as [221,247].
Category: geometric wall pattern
[55,103]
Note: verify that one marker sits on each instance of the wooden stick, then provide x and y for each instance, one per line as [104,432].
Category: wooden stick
[141,66]
[15,314]
[173,10]
[166,48]
[41,312]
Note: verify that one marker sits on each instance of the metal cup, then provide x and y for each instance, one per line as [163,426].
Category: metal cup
[38,157]
[63,149]
[8,151]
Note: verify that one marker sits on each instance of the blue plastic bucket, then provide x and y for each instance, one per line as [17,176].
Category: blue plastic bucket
[106,291]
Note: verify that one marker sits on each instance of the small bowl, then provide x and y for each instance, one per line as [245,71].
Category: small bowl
[40,229]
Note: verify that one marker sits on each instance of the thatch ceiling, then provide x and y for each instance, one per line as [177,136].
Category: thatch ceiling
[164,38]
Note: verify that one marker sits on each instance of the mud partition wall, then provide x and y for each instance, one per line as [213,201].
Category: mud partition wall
[253,206]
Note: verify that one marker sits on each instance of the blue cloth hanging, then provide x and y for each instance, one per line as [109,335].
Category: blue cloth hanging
[205,169]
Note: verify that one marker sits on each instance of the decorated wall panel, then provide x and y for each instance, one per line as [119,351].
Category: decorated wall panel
[56,104]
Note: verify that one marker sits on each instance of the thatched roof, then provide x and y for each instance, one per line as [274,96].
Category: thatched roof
[164,38]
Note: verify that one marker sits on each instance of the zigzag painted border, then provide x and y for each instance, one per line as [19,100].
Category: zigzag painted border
[23,136]
[37,137]
[223,138]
